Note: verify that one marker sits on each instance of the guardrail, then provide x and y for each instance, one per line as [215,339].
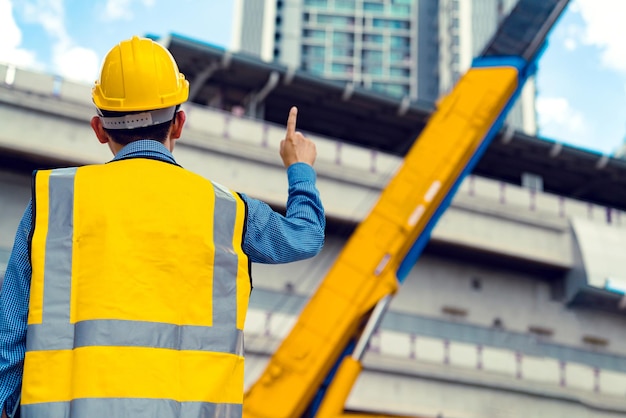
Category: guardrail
[487,363]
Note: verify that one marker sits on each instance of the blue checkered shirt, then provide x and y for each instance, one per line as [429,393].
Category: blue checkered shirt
[270,238]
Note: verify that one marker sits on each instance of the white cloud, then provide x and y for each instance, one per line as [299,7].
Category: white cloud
[49,14]
[605,28]
[557,119]
[573,34]
[77,63]
[11,36]
[121,9]
[570,44]
[69,59]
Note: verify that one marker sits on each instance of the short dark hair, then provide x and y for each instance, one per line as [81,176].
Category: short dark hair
[126,136]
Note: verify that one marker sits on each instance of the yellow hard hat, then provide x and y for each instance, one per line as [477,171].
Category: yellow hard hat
[139,74]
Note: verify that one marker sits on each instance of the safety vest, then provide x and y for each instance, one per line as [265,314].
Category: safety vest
[138,296]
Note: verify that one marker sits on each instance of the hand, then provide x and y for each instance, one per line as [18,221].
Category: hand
[295,148]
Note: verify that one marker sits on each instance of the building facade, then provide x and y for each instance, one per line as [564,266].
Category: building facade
[405,48]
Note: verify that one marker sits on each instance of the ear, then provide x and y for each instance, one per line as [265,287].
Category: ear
[96,125]
[177,126]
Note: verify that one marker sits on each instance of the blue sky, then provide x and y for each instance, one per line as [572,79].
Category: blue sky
[581,78]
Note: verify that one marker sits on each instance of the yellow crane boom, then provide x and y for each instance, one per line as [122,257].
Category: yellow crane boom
[335,325]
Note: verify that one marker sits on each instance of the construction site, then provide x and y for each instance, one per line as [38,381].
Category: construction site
[469,270]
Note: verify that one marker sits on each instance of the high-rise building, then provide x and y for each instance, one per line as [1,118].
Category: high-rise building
[465,28]
[405,48]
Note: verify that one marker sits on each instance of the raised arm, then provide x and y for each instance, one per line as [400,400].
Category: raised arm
[273,238]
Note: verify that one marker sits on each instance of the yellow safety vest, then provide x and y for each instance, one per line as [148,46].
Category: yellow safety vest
[138,296]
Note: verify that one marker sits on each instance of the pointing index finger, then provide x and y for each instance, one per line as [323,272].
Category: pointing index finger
[291,122]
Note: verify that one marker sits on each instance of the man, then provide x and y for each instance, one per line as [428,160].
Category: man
[127,288]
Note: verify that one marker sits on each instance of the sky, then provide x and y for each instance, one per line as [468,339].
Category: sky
[581,76]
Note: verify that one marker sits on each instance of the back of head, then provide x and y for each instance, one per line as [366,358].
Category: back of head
[140,86]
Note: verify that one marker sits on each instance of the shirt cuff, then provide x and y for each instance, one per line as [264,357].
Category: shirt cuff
[299,172]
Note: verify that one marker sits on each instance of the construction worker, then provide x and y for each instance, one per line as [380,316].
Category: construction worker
[127,288]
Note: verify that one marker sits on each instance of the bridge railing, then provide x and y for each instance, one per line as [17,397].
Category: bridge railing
[473,362]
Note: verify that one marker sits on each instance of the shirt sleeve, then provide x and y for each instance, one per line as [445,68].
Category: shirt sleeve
[14,296]
[272,238]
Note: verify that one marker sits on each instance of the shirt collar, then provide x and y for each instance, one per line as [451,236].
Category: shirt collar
[145,148]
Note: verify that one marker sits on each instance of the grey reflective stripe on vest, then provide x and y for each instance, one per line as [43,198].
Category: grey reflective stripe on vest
[112,332]
[58,263]
[226,262]
[115,407]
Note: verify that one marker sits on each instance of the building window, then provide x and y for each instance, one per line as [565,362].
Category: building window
[372,56]
[399,41]
[374,39]
[397,57]
[341,68]
[342,52]
[344,5]
[373,7]
[315,34]
[378,87]
[316,3]
[399,72]
[400,10]
[373,69]
[336,21]
[391,23]
[397,90]
[343,37]
[313,51]
[315,67]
